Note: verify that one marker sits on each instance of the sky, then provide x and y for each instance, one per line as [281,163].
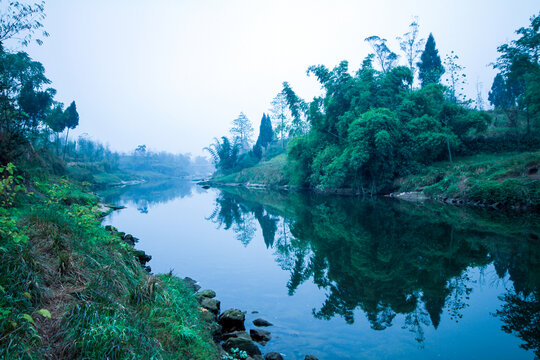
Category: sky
[173,74]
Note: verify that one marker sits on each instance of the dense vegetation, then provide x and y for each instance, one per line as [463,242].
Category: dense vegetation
[377,124]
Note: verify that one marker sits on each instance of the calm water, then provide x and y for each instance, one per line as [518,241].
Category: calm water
[343,278]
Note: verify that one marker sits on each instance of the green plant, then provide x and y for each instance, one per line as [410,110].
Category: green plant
[235,354]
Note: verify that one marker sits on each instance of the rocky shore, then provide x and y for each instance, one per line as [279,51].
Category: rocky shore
[229,329]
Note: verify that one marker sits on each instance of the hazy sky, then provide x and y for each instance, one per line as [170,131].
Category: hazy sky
[174,74]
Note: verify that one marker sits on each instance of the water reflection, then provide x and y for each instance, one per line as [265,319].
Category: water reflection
[144,195]
[387,258]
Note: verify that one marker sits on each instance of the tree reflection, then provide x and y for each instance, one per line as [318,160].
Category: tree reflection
[388,258]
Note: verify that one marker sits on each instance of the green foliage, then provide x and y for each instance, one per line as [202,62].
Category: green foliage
[235,354]
[516,89]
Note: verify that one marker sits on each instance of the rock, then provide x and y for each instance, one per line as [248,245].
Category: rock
[254,312]
[310,357]
[130,239]
[215,330]
[241,343]
[232,320]
[260,336]
[191,284]
[142,257]
[273,356]
[205,294]
[261,322]
[211,305]
[236,334]
[255,357]
[110,228]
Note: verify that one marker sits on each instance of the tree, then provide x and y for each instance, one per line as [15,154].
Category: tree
[71,120]
[20,21]
[411,45]
[501,96]
[430,67]
[298,108]
[519,67]
[266,134]
[224,154]
[281,116]
[455,77]
[242,131]
[383,54]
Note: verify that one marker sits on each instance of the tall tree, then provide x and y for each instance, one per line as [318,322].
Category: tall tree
[71,117]
[281,116]
[430,66]
[519,66]
[242,131]
[455,77]
[386,58]
[411,45]
[266,134]
[297,107]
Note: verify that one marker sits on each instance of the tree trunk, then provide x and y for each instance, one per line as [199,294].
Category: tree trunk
[449,151]
[66,143]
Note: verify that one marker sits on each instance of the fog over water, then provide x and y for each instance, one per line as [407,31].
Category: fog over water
[174,74]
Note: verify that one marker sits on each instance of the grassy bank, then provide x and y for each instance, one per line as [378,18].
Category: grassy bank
[506,179]
[71,289]
[510,179]
[269,173]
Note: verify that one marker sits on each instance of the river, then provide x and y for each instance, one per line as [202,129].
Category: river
[346,278]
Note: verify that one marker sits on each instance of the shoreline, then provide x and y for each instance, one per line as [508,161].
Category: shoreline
[410,196]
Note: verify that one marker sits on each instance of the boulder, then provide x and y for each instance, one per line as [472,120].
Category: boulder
[261,322]
[260,336]
[215,330]
[237,334]
[130,239]
[232,320]
[205,294]
[110,228]
[273,356]
[142,257]
[310,357]
[211,305]
[242,343]
[191,284]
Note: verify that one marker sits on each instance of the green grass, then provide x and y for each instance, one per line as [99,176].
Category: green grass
[495,178]
[270,172]
[56,259]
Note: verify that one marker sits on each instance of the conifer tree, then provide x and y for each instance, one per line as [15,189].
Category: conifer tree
[430,66]
[266,134]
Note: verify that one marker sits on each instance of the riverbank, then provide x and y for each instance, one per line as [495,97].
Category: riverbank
[73,289]
[505,180]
